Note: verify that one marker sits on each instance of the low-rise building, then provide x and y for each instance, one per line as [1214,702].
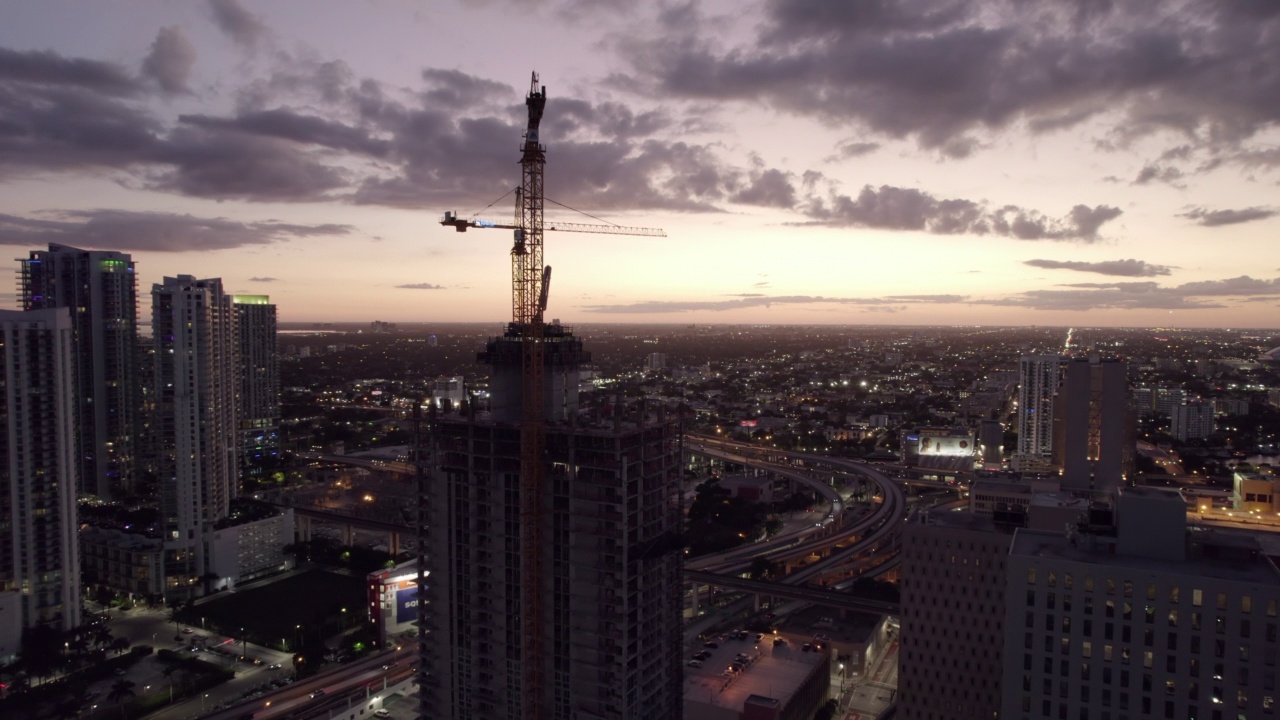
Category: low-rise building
[779,682]
[757,488]
[1256,491]
[250,549]
[121,562]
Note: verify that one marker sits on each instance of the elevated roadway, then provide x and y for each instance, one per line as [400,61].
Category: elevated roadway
[875,533]
[742,556]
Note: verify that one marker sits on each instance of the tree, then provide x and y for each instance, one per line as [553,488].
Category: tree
[761,568]
[79,643]
[121,690]
[173,615]
[41,650]
[169,672]
[76,698]
[102,637]
[827,711]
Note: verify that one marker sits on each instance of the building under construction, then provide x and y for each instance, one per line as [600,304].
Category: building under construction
[612,630]
[550,544]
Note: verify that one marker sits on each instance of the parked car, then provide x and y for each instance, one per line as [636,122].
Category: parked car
[382,713]
[712,645]
[695,663]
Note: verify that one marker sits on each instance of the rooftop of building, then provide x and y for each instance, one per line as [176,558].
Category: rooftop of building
[1011,486]
[246,510]
[776,672]
[119,539]
[842,628]
[1059,500]
[388,452]
[959,520]
[1249,563]
[747,480]
[1169,495]
[586,423]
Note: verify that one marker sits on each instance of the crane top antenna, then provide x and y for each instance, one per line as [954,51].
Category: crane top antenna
[536,100]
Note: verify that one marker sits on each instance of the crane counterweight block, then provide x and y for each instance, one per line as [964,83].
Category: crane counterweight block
[546,290]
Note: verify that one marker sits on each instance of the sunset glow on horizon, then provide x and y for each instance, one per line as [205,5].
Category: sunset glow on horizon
[927,162]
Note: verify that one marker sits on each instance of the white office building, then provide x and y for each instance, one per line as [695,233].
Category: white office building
[195,356]
[39,552]
[1038,380]
[258,401]
[1192,421]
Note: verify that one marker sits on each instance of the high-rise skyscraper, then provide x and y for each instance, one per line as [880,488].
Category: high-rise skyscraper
[258,405]
[1103,610]
[39,553]
[1094,436]
[1140,618]
[612,630]
[953,580]
[100,289]
[1038,378]
[195,355]
[1191,421]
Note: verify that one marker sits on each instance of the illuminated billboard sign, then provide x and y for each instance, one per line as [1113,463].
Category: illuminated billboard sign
[407,604]
[948,445]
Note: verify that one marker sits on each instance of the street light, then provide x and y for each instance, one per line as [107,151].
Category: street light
[202,699]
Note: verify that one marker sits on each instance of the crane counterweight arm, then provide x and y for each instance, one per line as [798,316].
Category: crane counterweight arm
[452,220]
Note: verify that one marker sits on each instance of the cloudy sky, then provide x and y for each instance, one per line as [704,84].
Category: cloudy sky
[1077,162]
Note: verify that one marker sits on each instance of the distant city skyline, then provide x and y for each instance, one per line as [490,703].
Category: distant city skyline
[929,162]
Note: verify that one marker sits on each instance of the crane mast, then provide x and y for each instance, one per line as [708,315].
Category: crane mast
[528,303]
[530,281]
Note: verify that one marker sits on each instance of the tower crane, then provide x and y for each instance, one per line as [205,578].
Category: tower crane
[530,283]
